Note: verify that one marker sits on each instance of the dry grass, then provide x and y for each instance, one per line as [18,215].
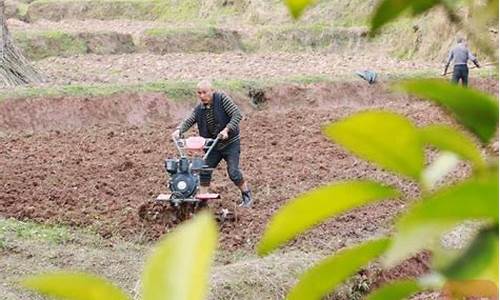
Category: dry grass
[29,248]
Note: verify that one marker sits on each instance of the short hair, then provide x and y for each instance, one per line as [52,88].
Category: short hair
[205,83]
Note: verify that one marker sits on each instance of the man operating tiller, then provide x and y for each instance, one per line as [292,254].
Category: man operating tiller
[218,116]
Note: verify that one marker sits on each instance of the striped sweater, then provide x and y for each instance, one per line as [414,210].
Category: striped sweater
[230,108]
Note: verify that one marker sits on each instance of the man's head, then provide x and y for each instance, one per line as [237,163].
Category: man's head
[460,40]
[204,91]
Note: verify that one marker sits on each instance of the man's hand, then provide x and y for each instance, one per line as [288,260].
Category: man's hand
[176,134]
[445,69]
[224,134]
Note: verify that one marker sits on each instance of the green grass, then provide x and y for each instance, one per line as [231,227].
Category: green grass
[4,244]
[39,45]
[322,26]
[300,37]
[209,31]
[161,10]
[190,39]
[14,229]
[176,10]
[88,9]
[339,12]
[22,11]
[174,90]
[184,90]
[92,1]
[290,38]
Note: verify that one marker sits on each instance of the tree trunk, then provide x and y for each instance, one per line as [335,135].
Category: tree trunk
[15,69]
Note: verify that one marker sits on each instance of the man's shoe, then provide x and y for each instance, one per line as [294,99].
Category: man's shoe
[246,199]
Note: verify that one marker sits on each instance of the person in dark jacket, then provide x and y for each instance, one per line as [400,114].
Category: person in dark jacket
[218,116]
[460,55]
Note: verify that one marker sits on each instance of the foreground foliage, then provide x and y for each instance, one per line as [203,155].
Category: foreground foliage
[178,268]
[394,143]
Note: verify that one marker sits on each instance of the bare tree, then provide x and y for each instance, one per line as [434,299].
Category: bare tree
[15,69]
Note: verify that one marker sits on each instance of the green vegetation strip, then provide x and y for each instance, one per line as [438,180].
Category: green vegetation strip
[38,45]
[11,229]
[174,90]
[171,10]
[184,90]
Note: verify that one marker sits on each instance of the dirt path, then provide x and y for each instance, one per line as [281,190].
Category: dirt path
[144,67]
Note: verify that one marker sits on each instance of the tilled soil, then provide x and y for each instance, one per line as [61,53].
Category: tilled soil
[145,67]
[98,171]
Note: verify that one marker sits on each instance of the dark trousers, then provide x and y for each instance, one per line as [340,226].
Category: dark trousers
[231,154]
[460,72]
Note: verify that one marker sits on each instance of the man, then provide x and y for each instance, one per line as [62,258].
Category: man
[218,115]
[460,55]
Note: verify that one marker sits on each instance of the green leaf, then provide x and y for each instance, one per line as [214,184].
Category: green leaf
[386,11]
[372,136]
[330,272]
[389,10]
[395,290]
[428,219]
[316,206]
[296,7]
[475,110]
[479,261]
[178,268]
[449,139]
[421,6]
[74,286]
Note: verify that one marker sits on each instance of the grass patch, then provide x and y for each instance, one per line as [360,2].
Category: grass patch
[176,10]
[160,10]
[4,244]
[168,32]
[338,13]
[251,277]
[184,90]
[39,45]
[14,229]
[57,10]
[300,37]
[22,11]
[338,25]
[197,39]
[174,90]
[432,73]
